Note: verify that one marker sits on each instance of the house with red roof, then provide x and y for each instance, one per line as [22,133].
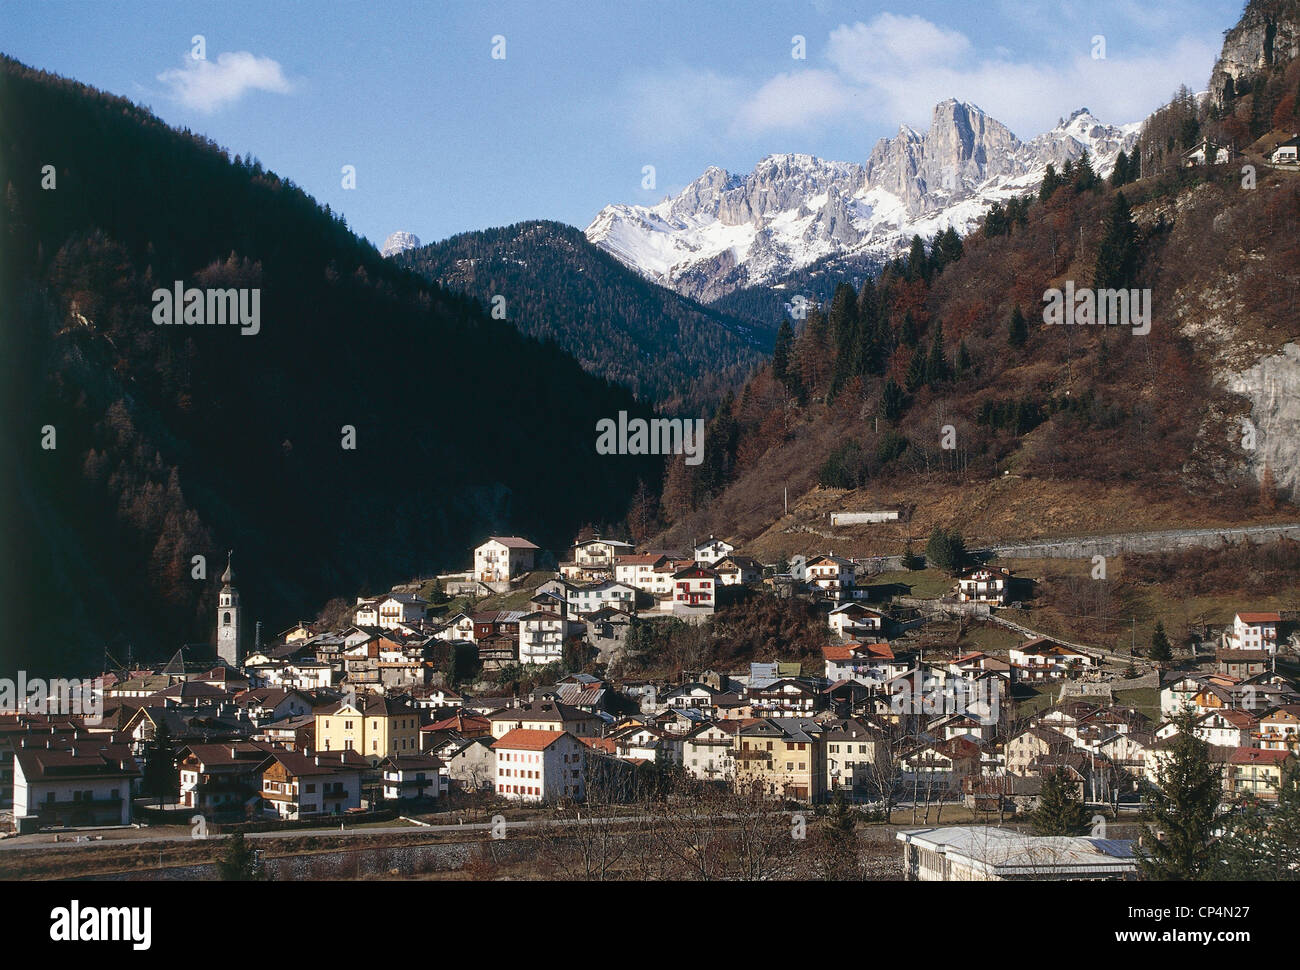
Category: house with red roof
[540,766]
[1255,631]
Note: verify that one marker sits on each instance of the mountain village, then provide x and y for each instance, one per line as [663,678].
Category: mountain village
[366,722]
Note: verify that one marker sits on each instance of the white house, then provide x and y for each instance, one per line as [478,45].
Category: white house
[833,575]
[983,585]
[413,777]
[1206,152]
[542,636]
[737,570]
[865,662]
[713,549]
[299,785]
[1041,659]
[707,753]
[398,608]
[84,783]
[596,596]
[540,766]
[595,559]
[639,571]
[307,675]
[459,627]
[1255,631]
[854,619]
[1287,153]
[600,552]
[694,590]
[502,558]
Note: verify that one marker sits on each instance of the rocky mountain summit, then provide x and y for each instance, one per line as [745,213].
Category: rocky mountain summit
[399,242]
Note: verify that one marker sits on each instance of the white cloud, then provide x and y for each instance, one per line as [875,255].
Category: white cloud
[795,100]
[894,69]
[893,44]
[207,86]
[674,105]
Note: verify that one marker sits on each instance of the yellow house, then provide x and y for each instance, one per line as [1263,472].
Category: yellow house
[1256,771]
[374,726]
[782,755]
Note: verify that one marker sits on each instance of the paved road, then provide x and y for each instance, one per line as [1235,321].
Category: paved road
[45,840]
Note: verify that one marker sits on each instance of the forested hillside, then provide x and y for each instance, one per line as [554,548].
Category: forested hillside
[938,383]
[668,349]
[176,441]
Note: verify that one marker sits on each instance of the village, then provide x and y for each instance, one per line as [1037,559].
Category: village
[395,711]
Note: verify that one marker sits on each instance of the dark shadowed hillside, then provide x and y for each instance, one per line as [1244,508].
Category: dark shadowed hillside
[176,441]
[669,349]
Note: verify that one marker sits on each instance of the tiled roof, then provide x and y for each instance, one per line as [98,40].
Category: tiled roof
[529,740]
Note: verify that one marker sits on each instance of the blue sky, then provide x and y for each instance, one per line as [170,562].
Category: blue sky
[445,138]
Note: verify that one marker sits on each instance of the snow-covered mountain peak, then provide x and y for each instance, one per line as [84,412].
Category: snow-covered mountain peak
[725,231]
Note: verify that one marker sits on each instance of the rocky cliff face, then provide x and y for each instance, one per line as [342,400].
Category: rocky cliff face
[1267,35]
[963,148]
[725,231]
[1273,388]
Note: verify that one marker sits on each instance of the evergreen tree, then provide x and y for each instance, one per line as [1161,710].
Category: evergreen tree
[840,858]
[907,333]
[437,595]
[869,352]
[963,359]
[1117,258]
[781,353]
[1060,811]
[844,327]
[1161,650]
[911,561]
[918,266]
[936,365]
[1263,842]
[1120,175]
[239,862]
[1018,329]
[949,245]
[915,376]
[161,778]
[891,401]
[995,222]
[1051,182]
[1085,178]
[462,662]
[1180,815]
[946,550]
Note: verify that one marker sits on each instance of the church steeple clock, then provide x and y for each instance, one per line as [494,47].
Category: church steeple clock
[229,642]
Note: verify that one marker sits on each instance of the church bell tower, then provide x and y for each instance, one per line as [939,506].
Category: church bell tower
[229,642]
